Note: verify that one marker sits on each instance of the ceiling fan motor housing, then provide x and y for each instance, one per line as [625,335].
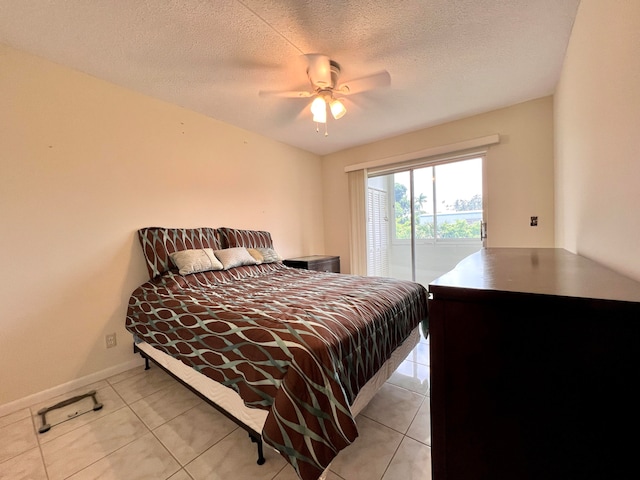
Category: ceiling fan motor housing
[323,73]
[335,73]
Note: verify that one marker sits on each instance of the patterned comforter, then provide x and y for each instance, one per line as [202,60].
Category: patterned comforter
[298,343]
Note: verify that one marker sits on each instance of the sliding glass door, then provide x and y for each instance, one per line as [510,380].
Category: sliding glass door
[422,220]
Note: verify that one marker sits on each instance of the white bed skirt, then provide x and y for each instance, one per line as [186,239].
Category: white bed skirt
[255,418]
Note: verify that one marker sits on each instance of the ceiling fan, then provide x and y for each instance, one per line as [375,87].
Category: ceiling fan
[323,74]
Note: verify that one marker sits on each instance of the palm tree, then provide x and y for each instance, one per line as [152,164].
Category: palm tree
[418,203]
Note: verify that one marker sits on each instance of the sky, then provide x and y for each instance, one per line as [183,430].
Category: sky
[457,180]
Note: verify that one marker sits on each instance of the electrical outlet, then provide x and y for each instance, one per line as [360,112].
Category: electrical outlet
[111,340]
[534,221]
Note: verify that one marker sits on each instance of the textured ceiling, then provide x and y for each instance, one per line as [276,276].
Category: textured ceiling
[447,59]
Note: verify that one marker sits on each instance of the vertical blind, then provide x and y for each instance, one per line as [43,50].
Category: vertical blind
[378,233]
[358,208]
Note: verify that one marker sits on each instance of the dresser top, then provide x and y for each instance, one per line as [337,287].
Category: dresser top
[541,271]
[313,258]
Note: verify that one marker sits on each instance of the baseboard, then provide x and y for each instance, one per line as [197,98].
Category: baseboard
[25,402]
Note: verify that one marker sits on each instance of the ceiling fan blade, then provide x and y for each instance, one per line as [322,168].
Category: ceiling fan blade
[285,93]
[376,80]
[319,70]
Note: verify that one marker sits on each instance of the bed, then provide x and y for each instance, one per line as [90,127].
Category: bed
[292,355]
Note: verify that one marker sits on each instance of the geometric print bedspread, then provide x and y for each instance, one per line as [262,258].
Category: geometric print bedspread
[297,343]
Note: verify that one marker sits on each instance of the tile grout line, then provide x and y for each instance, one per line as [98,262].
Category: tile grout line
[152,431]
[392,457]
[424,398]
[35,432]
[180,466]
[279,471]
[206,450]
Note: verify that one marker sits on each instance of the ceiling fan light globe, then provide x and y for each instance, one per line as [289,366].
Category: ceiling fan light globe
[319,110]
[337,109]
[320,118]
[317,105]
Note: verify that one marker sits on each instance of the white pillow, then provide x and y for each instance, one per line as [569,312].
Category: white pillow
[235,257]
[269,255]
[196,260]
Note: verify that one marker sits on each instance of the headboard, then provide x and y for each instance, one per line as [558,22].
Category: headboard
[158,242]
[233,237]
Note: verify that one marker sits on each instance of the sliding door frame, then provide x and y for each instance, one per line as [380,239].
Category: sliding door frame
[417,164]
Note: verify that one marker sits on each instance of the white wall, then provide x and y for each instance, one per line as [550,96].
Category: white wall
[519,174]
[83,165]
[597,118]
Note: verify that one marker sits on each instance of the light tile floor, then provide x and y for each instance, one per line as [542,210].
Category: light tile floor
[151,427]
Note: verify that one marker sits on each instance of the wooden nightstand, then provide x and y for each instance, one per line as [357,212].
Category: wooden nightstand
[319,263]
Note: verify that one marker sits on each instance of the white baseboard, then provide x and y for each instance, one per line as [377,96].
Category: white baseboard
[25,402]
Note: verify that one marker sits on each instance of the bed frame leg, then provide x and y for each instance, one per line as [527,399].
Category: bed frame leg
[146,359]
[261,458]
[253,435]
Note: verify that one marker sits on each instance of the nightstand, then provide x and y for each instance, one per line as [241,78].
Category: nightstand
[319,263]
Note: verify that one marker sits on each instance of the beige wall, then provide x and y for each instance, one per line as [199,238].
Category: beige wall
[597,117]
[519,174]
[84,164]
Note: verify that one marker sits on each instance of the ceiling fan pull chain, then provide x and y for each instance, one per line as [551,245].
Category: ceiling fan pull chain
[326,132]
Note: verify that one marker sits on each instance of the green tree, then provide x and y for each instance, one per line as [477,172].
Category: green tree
[459,229]
[474,203]
[424,231]
[403,214]
[419,202]
[400,192]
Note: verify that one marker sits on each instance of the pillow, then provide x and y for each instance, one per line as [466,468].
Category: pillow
[196,260]
[157,243]
[256,254]
[233,237]
[235,257]
[269,255]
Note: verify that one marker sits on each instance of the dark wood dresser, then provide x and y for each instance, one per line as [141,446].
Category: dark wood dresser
[535,367]
[320,263]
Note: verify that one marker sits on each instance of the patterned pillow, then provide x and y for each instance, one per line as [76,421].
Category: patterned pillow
[269,255]
[235,257]
[196,260]
[256,254]
[233,237]
[157,243]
